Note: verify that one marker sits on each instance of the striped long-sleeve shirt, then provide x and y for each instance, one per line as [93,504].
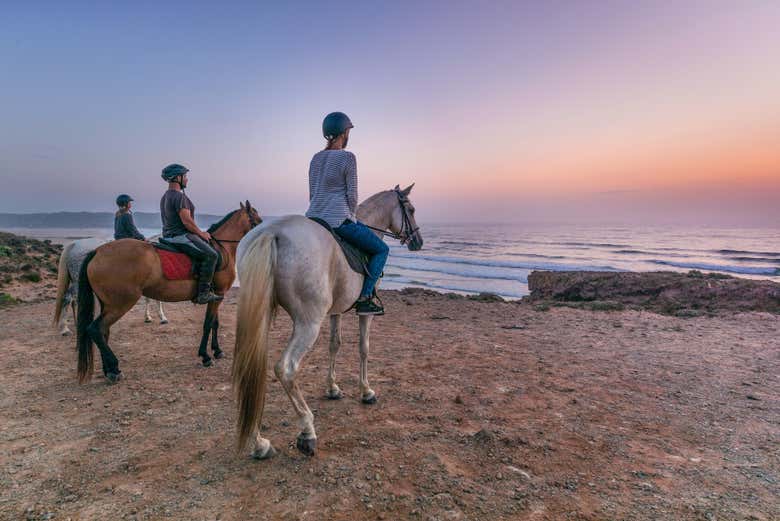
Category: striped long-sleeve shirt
[333,187]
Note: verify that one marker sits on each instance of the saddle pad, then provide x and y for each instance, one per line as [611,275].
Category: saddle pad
[161,244]
[175,266]
[357,258]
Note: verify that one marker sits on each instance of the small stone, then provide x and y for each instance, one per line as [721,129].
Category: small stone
[458,400]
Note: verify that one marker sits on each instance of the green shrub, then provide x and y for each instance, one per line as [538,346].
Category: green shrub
[32,276]
[605,305]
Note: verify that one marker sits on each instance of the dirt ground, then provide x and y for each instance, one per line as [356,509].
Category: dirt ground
[487,410]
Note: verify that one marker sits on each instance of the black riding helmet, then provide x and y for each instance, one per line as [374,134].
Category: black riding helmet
[334,124]
[123,200]
[172,171]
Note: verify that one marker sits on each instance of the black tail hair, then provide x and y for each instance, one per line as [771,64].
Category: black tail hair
[86,314]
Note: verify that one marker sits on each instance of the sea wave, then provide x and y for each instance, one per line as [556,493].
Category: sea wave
[536,255]
[743,270]
[547,266]
[403,281]
[756,259]
[747,252]
[596,244]
[463,273]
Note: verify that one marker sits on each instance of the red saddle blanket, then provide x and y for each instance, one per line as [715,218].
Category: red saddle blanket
[175,266]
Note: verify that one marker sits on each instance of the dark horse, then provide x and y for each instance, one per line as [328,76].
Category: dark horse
[120,272]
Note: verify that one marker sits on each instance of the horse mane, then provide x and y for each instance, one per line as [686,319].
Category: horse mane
[214,227]
[375,196]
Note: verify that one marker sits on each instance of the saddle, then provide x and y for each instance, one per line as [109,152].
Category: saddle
[177,265]
[357,258]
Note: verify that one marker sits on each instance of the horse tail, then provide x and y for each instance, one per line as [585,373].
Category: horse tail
[86,302]
[256,310]
[63,281]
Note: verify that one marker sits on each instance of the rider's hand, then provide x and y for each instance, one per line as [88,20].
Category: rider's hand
[206,236]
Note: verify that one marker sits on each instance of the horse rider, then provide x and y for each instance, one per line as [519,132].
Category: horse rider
[333,197]
[180,230]
[124,227]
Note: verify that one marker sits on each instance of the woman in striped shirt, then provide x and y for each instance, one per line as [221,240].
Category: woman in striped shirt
[333,198]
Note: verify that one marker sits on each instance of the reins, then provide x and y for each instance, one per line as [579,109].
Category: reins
[406,227]
[220,241]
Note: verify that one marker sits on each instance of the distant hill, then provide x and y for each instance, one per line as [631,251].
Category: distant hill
[88,220]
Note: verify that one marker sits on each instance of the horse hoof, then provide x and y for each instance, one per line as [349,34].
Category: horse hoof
[330,395]
[113,377]
[268,454]
[207,362]
[219,354]
[306,445]
[163,321]
[147,321]
[370,399]
[65,333]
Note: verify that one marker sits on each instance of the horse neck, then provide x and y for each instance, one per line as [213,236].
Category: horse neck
[230,231]
[376,212]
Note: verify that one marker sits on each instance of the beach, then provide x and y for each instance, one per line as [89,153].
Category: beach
[487,410]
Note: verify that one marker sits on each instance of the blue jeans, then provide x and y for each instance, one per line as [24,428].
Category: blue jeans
[360,235]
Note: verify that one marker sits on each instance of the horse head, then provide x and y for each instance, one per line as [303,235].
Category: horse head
[402,220]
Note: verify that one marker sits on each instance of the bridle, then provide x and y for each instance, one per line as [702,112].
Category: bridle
[407,231]
[252,225]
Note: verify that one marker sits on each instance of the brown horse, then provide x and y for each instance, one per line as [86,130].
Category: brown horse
[120,272]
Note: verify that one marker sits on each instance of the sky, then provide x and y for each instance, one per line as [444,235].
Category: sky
[633,112]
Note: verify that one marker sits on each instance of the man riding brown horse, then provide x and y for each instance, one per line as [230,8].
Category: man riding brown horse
[120,272]
[180,230]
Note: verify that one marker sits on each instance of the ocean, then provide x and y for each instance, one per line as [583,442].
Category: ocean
[497,258]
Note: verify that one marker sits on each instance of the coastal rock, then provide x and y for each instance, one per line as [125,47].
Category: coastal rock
[660,291]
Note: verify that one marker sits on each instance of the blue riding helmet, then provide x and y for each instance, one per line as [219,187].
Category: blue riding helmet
[334,124]
[172,171]
[123,200]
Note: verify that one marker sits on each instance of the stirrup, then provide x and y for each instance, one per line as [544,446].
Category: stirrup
[369,307]
[206,298]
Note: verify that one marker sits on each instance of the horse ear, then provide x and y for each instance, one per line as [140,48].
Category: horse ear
[242,205]
[248,205]
[397,187]
[408,189]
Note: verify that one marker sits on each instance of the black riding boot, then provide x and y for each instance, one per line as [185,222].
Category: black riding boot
[205,274]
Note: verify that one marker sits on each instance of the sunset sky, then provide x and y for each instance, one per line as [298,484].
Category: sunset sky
[549,111]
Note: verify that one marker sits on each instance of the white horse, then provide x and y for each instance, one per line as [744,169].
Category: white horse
[296,264]
[71,258]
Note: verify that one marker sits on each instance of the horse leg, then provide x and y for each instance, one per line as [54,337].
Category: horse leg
[208,323]
[73,308]
[147,314]
[215,332]
[333,392]
[163,318]
[367,395]
[99,331]
[62,325]
[303,337]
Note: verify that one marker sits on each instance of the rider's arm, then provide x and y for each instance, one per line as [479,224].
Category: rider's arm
[351,180]
[133,230]
[311,180]
[189,223]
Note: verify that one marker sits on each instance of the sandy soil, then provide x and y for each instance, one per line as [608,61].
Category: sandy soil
[486,411]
